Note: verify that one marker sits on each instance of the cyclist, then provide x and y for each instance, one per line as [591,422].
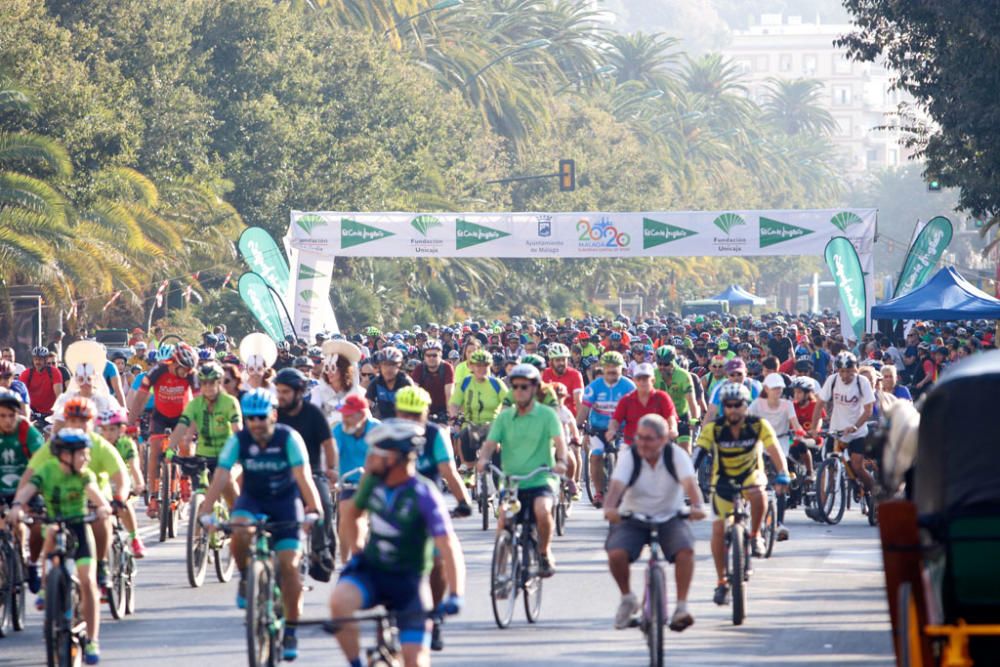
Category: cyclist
[600,399]
[349,433]
[643,401]
[212,417]
[409,521]
[110,425]
[850,400]
[478,398]
[19,439]
[804,401]
[559,371]
[172,382]
[655,488]
[44,382]
[295,412]
[276,481]
[716,375]
[529,435]
[736,372]
[391,378]
[737,442]
[437,378]
[679,385]
[9,381]
[67,485]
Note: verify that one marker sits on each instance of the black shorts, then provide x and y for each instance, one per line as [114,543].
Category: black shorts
[631,535]
[472,438]
[527,498]
[79,541]
[856,446]
[158,424]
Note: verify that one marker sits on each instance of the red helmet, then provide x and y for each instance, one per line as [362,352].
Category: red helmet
[79,407]
[185,356]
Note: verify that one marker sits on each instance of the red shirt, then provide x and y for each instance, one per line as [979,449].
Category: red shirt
[172,392]
[804,414]
[630,410]
[41,387]
[434,384]
[573,381]
[787,366]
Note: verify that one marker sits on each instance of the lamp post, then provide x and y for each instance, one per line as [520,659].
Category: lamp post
[439,6]
[527,46]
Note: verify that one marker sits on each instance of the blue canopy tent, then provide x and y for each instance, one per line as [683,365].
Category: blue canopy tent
[946,296]
[737,296]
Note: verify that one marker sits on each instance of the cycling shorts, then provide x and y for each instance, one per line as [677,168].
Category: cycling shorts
[726,489]
[598,443]
[471,438]
[631,535]
[856,446]
[158,424]
[408,595]
[683,430]
[285,509]
[79,542]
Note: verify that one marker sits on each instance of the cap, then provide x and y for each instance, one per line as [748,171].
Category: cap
[353,404]
[774,380]
[646,370]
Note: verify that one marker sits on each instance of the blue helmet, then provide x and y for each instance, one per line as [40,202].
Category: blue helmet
[257,403]
[165,352]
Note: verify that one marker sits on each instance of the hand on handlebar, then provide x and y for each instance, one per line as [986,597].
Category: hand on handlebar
[612,515]
[697,513]
[559,468]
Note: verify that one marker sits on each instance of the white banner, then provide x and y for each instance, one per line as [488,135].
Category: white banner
[310,293]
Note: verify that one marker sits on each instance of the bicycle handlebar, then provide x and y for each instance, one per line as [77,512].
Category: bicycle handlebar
[649,519]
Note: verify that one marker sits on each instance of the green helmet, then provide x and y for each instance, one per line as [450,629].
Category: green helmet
[665,354]
[558,351]
[480,357]
[612,359]
[412,399]
[534,359]
[373,332]
[210,372]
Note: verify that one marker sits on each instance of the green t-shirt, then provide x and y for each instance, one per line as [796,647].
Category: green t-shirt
[215,422]
[462,371]
[105,461]
[12,459]
[64,492]
[678,387]
[480,401]
[526,443]
[548,398]
[126,448]
[589,350]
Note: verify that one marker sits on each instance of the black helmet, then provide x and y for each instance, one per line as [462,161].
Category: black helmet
[291,377]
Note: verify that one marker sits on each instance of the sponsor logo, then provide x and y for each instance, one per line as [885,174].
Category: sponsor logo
[773,232]
[308,223]
[264,268]
[545,226]
[307,272]
[845,219]
[656,233]
[8,456]
[727,221]
[423,223]
[468,234]
[308,295]
[354,233]
[847,288]
[601,236]
[921,260]
[731,244]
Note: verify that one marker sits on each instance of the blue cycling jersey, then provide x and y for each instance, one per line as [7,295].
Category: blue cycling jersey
[352,449]
[267,471]
[602,400]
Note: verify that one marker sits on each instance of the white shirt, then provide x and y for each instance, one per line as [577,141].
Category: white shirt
[779,418]
[655,492]
[102,402]
[566,418]
[849,402]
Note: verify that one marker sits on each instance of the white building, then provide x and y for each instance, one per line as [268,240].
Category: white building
[856,94]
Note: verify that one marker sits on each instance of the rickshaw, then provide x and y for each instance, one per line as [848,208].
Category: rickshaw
[941,537]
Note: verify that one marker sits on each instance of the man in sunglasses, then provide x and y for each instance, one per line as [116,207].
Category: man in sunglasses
[737,442]
[529,435]
[716,374]
[736,371]
[436,378]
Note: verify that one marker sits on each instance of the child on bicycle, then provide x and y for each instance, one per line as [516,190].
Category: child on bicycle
[111,425]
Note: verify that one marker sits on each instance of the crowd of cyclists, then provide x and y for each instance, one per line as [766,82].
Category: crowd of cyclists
[372,426]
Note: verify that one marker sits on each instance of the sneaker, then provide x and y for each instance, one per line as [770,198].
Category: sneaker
[757,546]
[721,596]
[138,548]
[34,577]
[153,507]
[40,601]
[185,489]
[681,620]
[437,644]
[241,596]
[545,568]
[782,532]
[92,652]
[577,495]
[598,500]
[627,608]
[290,648]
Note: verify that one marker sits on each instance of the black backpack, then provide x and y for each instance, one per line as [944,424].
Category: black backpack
[668,461]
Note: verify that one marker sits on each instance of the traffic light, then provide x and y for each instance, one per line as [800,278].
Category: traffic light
[567,175]
[934,185]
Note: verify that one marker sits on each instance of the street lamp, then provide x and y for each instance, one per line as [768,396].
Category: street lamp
[606,69]
[444,4]
[527,46]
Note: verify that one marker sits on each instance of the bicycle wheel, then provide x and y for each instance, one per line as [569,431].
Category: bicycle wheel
[872,509]
[129,584]
[503,579]
[116,577]
[259,591]
[656,619]
[831,491]
[19,592]
[59,644]
[737,583]
[484,500]
[610,460]
[769,527]
[705,476]
[560,512]
[585,474]
[164,500]
[532,585]
[197,544]
[6,588]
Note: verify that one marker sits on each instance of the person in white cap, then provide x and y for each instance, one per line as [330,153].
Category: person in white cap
[644,400]
[780,414]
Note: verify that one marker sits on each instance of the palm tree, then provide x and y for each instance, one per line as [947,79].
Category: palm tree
[649,59]
[794,107]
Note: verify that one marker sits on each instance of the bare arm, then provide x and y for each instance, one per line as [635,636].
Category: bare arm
[182,436]
[817,413]
[137,404]
[310,496]
[116,389]
[332,458]
[450,476]
[454,562]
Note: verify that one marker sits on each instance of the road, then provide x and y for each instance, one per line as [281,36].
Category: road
[818,601]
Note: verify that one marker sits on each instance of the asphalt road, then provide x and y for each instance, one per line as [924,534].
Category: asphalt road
[818,601]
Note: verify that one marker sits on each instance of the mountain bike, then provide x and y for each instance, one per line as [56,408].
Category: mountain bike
[65,630]
[610,459]
[121,573]
[831,483]
[169,495]
[516,556]
[13,586]
[202,543]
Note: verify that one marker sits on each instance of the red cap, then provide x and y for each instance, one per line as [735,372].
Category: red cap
[353,404]
[137,330]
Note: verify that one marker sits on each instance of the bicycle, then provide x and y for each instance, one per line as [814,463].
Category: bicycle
[169,493]
[516,556]
[65,630]
[837,486]
[387,648]
[737,558]
[610,459]
[653,615]
[562,509]
[202,542]
[13,586]
[121,573]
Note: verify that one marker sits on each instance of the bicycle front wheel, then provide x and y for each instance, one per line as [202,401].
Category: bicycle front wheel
[532,582]
[197,544]
[259,592]
[117,583]
[560,512]
[503,579]
[484,500]
[19,590]
[164,500]
[6,587]
[655,608]
[769,527]
[58,610]
[831,491]
[737,573]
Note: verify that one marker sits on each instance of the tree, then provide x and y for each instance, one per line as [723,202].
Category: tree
[794,107]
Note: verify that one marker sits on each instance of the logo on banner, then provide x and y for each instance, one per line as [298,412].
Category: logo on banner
[422,223]
[307,272]
[308,295]
[656,233]
[545,226]
[468,234]
[601,236]
[308,223]
[354,233]
[729,243]
[844,220]
[773,232]
[727,221]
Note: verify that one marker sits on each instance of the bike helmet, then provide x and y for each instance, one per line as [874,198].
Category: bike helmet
[498,359]
[302,362]
[412,399]
[479,357]
[803,383]
[612,359]
[184,356]
[615,336]
[291,377]
[165,353]
[432,344]
[210,372]
[40,351]
[454,355]
[70,440]
[755,368]
[257,403]
[525,371]
[558,351]
[373,332]
[151,357]
[112,418]
[665,355]
[845,360]
[733,391]
[399,435]
[391,355]
[11,399]
[79,407]
[535,360]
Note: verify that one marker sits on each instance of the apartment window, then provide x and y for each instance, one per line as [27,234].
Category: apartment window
[841,64]
[785,62]
[809,63]
[841,96]
[743,66]
[872,156]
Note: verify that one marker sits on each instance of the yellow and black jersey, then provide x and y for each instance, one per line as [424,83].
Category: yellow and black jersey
[737,457]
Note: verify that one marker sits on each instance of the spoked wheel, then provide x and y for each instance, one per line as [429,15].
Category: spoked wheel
[560,512]
[532,582]
[871,507]
[831,490]
[585,473]
[164,500]
[259,592]
[656,608]
[197,544]
[769,527]
[737,583]
[117,583]
[60,645]
[503,579]
[6,589]
[225,564]
[130,585]
[705,476]
[484,500]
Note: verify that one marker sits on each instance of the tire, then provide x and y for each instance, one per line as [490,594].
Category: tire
[225,564]
[197,545]
[705,477]
[6,588]
[585,477]
[909,634]
[117,577]
[831,491]
[532,582]
[872,510]
[259,592]
[130,587]
[657,621]
[769,527]
[164,500]
[19,591]
[58,633]
[503,579]
[610,461]
[484,500]
[560,511]
[737,583]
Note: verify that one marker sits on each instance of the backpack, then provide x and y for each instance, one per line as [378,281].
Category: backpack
[668,461]
[48,370]
[22,437]
[495,383]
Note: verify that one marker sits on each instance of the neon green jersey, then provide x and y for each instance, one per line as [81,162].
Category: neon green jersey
[105,461]
[214,422]
[678,386]
[64,492]
[480,401]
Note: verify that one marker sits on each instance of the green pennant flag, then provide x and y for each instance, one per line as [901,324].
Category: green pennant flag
[924,254]
[773,232]
[468,234]
[260,301]
[354,233]
[264,258]
[845,266]
[656,233]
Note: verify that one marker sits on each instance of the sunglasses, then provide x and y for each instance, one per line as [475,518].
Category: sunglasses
[736,374]
[732,405]
[522,387]
[716,367]
[367,375]
[255,418]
